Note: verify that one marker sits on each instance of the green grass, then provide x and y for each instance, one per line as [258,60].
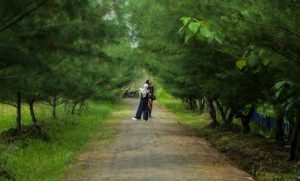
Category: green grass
[192,118]
[42,111]
[36,160]
[254,153]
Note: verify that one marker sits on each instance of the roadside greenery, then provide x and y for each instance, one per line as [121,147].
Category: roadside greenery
[55,52]
[226,58]
[38,159]
[253,153]
[56,56]
[230,57]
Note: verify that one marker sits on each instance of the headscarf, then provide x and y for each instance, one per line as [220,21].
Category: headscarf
[144,90]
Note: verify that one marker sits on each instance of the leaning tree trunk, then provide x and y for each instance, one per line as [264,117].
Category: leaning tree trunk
[54,104]
[32,113]
[211,111]
[18,119]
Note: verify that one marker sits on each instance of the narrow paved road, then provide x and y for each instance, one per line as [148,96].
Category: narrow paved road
[157,150]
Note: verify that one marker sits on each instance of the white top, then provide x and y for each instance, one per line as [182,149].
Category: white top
[144,90]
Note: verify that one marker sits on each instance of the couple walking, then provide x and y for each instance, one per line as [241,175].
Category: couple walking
[146,102]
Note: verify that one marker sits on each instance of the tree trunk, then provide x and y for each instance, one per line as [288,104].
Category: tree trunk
[81,104]
[18,119]
[246,126]
[279,133]
[211,111]
[65,107]
[231,115]
[54,104]
[201,105]
[32,114]
[246,120]
[292,125]
[192,103]
[294,145]
[73,108]
[221,110]
[295,140]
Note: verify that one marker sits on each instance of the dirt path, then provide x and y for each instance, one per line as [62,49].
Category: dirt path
[157,150]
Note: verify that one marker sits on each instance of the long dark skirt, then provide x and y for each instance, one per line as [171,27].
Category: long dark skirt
[142,110]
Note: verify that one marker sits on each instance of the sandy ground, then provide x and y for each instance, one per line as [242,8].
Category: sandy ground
[156,150]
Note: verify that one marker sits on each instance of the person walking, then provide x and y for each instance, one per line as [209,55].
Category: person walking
[151,98]
[143,106]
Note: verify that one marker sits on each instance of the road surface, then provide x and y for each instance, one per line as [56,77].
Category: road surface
[157,150]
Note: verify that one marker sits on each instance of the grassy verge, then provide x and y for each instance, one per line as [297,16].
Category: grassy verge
[96,148]
[255,154]
[36,160]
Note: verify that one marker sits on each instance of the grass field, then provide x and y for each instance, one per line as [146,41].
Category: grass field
[36,160]
[255,154]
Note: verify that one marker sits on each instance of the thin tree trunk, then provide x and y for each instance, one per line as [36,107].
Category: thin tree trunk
[18,119]
[279,133]
[294,145]
[201,105]
[32,114]
[65,107]
[211,111]
[223,114]
[246,120]
[231,115]
[81,105]
[246,126]
[190,103]
[295,140]
[292,125]
[73,108]
[54,104]
[279,130]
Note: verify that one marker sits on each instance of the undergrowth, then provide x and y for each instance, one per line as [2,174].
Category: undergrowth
[254,153]
[31,159]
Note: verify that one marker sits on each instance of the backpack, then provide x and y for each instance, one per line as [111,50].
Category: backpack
[153,97]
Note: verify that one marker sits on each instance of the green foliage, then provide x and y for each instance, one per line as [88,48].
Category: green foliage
[56,51]
[255,154]
[238,54]
[232,52]
[59,53]
[241,64]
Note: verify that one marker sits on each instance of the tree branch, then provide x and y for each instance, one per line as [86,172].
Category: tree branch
[22,16]
[17,13]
